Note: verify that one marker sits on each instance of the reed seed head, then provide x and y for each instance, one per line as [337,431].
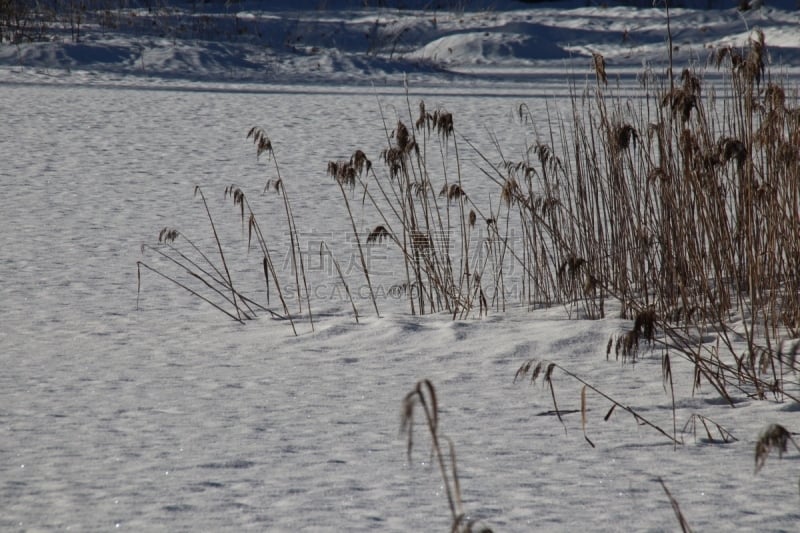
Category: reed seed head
[452,192]
[599,64]
[379,234]
[168,235]
[776,437]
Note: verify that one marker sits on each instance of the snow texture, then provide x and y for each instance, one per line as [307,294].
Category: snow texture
[170,417]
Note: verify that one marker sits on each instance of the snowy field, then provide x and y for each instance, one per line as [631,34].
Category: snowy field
[171,417]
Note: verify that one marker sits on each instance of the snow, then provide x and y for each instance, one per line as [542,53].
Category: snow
[171,417]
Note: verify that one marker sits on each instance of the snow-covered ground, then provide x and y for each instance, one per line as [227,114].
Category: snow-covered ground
[508,42]
[172,417]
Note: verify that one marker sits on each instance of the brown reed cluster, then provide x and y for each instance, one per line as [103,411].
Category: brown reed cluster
[681,207]
[211,280]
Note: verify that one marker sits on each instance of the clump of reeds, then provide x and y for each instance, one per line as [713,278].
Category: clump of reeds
[412,216]
[216,285]
[683,208]
[264,145]
[344,174]
[680,205]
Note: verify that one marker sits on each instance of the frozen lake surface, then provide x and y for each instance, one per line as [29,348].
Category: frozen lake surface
[173,417]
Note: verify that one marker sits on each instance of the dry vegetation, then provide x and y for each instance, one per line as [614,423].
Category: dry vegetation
[423,398]
[682,207]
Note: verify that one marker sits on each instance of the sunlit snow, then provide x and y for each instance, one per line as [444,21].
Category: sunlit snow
[172,417]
